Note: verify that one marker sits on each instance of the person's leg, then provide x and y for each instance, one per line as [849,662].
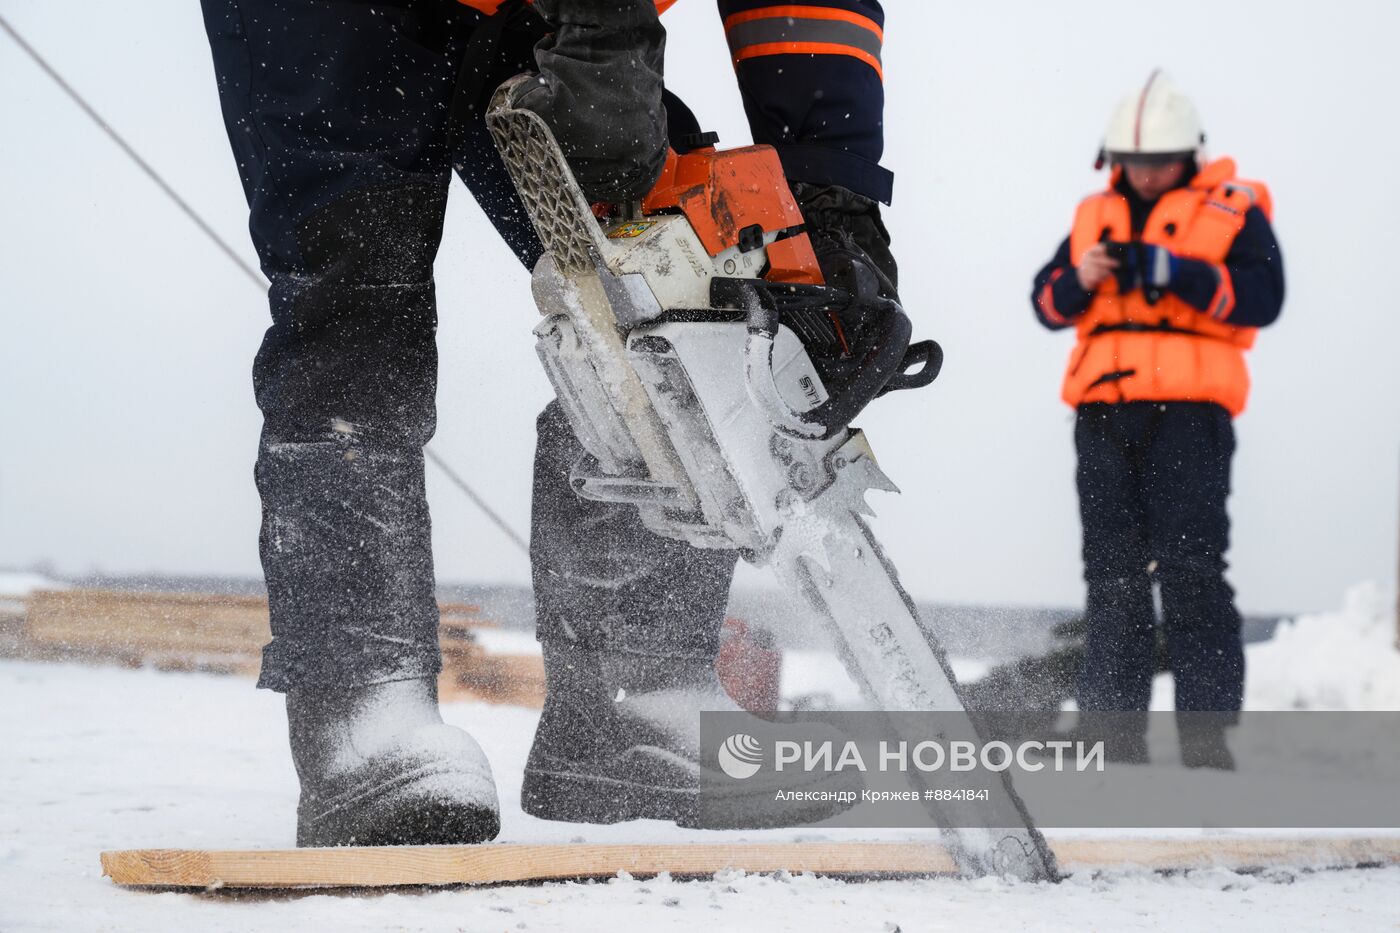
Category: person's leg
[629,624]
[475,157]
[618,609]
[1120,638]
[1188,482]
[336,113]
[346,213]
[628,621]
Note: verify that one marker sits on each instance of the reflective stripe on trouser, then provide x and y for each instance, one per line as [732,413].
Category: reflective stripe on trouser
[810,77]
[804,30]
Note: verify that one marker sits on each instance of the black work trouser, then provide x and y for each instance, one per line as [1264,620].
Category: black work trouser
[337,111]
[1153,479]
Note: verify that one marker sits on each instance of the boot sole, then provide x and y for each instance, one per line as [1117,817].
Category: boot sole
[576,798]
[392,814]
[410,823]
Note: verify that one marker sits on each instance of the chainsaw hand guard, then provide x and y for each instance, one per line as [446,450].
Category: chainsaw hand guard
[876,363]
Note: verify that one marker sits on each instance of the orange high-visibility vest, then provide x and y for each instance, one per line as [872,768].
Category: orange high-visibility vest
[1129,350]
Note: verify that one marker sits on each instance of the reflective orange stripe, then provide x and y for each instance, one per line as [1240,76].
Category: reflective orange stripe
[483,6]
[1047,299]
[808,48]
[491,6]
[803,12]
[795,29]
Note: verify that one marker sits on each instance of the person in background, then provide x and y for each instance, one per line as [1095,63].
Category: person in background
[1166,277]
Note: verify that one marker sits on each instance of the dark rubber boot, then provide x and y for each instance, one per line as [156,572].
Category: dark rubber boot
[1123,734]
[1202,738]
[379,767]
[604,753]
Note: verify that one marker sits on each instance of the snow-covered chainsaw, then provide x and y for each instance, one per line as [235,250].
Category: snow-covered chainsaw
[676,334]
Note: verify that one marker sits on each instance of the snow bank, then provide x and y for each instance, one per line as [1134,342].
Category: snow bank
[1331,661]
[1344,660]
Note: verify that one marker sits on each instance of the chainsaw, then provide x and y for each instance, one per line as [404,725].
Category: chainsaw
[688,338]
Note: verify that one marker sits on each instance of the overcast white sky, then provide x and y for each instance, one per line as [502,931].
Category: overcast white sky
[128,429]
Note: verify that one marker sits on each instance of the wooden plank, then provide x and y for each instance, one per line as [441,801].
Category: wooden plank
[196,622]
[1237,853]
[454,616]
[435,865]
[439,865]
[225,634]
[515,679]
[152,622]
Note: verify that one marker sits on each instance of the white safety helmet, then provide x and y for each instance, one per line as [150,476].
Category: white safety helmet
[1155,123]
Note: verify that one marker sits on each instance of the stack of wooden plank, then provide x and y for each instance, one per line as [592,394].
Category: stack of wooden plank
[225,634]
[170,631]
[469,671]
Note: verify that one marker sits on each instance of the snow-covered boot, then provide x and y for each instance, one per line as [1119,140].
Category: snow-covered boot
[378,766]
[619,739]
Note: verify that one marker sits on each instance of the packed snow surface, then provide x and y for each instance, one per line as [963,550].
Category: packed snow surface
[100,759]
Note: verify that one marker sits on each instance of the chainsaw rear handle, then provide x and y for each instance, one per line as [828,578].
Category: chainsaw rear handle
[884,352]
[927,352]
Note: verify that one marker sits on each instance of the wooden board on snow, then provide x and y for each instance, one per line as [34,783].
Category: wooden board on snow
[493,864]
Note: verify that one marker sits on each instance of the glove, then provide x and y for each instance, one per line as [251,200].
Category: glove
[1157,266]
[853,250]
[599,89]
[846,228]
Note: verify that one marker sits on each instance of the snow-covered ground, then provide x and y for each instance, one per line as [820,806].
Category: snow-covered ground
[98,759]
